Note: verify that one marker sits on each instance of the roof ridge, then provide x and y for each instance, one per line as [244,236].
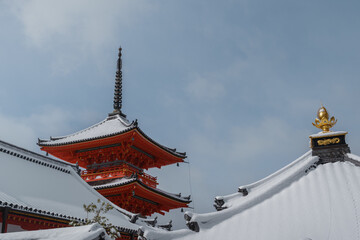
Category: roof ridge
[278,172]
[274,183]
[10,148]
[128,126]
[75,133]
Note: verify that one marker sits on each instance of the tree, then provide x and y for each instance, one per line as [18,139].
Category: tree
[98,217]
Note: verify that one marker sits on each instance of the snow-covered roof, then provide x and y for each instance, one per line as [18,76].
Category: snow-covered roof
[34,183]
[87,232]
[111,126]
[126,181]
[327,134]
[303,200]
[115,183]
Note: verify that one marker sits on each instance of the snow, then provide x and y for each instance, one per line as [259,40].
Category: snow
[88,232]
[109,126]
[327,134]
[122,181]
[353,156]
[49,186]
[297,202]
[116,182]
[261,190]
[39,157]
[161,234]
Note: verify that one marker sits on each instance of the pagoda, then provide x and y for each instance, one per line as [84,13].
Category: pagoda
[114,154]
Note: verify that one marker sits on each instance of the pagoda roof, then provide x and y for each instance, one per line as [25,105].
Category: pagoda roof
[35,184]
[303,200]
[111,126]
[126,181]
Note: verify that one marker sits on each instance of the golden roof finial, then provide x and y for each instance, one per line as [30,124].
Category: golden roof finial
[324,123]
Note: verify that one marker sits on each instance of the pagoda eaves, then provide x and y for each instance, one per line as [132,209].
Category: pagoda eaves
[107,137]
[137,197]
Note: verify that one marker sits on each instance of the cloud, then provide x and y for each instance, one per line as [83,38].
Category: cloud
[25,130]
[73,30]
[244,142]
[205,88]
[270,137]
[17,132]
[240,154]
[88,21]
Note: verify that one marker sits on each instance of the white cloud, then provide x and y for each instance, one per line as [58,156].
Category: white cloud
[206,89]
[87,21]
[25,130]
[50,121]
[244,142]
[73,30]
[271,136]
[17,132]
[233,155]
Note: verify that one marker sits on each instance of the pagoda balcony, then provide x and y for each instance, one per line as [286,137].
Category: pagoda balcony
[121,171]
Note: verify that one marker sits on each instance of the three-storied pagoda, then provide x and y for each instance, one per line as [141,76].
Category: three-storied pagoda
[115,153]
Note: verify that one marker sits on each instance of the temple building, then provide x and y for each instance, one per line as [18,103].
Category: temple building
[38,192]
[114,154]
[315,197]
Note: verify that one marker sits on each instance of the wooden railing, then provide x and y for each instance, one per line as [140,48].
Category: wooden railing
[120,171]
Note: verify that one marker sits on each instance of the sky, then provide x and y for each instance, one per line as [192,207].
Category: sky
[235,84]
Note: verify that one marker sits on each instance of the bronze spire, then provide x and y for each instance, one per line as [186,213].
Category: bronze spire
[118,87]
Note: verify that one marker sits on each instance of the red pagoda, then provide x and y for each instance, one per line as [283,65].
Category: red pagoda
[114,154]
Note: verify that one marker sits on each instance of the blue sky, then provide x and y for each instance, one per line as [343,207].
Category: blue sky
[235,84]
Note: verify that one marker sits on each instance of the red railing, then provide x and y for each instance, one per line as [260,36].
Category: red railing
[120,171]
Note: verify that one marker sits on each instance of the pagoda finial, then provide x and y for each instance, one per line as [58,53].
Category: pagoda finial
[323,121]
[118,87]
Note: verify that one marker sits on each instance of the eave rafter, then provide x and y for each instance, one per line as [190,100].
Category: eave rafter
[140,142]
[133,197]
[121,151]
[131,147]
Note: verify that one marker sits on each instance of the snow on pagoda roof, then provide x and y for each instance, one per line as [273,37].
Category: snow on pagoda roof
[37,184]
[114,183]
[111,126]
[87,232]
[125,181]
[301,201]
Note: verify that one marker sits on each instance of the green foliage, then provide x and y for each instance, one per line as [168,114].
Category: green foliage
[97,213]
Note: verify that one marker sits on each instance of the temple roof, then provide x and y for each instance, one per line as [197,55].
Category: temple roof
[36,184]
[126,181]
[88,232]
[304,200]
[111,126]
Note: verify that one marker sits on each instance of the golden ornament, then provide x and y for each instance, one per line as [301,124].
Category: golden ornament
[323,121]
